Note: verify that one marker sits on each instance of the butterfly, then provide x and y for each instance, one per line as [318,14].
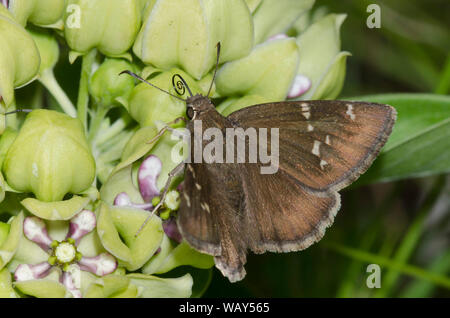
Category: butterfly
[228,209]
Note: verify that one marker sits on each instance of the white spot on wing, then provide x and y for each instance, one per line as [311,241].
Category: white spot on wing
[327,140]
[323,163]
[191,170]
[306,110]
[316,148]
[205,207]
[310,127]
[188,201]
[198,186]
[350,111]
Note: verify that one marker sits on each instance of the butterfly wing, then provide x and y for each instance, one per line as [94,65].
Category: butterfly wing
[325,145]
[281,214]
[227,209]
[208,217]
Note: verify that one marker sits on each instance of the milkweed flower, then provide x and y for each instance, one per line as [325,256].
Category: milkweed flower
[64,256]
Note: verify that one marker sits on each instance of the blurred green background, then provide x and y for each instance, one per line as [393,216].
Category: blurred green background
[402,226]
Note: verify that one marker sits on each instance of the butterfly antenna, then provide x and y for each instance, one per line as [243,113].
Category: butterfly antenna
[215,70]
[144,81]
[180,86]
[19,111]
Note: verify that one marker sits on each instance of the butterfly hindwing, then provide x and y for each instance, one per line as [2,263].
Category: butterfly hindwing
[281,214]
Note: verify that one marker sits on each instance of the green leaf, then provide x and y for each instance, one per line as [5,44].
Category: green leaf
[421,288]
[384,262]
[420,142]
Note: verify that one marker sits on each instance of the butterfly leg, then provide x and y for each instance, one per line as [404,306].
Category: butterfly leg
[166,128]
[179,169]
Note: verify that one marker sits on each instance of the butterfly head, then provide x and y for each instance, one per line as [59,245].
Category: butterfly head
[197,104]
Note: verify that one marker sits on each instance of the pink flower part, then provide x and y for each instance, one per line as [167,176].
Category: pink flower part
[100,265]
[277,37]
[123,199]
[171,229]
[147,175]
[82,224]
[26,272]
[35,230]
[68,279]
[300,86]
[5,3]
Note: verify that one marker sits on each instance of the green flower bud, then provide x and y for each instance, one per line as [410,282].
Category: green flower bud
[321,61]
[19,58]
[148,105]
[48,48]
[268,71]
[107,87]
[109,25]
[50,157]
[46,13]
[274,17]
[185,34]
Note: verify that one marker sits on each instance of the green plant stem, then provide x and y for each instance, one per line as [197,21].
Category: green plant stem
[83,91]
[96,122]
[49,81]
[111,131]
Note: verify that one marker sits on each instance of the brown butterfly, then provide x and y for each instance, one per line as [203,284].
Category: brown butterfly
[229,208]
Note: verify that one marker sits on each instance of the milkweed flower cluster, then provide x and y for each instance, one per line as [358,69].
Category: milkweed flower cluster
[79,178]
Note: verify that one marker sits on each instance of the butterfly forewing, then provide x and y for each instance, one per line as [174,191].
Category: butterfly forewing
[323,144]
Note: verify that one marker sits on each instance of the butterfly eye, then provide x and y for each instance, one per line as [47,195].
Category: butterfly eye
[190,113]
